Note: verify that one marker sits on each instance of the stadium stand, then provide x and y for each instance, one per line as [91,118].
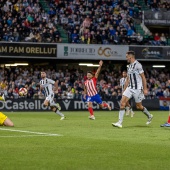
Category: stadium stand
[77,21]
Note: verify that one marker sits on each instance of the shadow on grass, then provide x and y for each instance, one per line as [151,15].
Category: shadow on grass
[137,126]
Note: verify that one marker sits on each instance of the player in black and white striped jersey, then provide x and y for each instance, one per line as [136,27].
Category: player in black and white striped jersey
[122,83]
[47,85]
[135,86]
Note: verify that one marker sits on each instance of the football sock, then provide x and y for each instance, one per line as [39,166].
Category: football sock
[121,115]
[91,111]
[105,104]
[146,112]
[169,119]
[127,108]
[59,113]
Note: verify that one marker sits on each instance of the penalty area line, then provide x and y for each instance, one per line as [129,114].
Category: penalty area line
[30,132]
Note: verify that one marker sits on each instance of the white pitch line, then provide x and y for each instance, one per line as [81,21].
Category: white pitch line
[24,131]
[22,136]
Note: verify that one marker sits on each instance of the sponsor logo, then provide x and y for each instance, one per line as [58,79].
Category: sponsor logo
[32,105]
[158,15]
[65,50]
[107,52]
[153,54]
[82,105]
[80,50]
[23,105]
[66,103]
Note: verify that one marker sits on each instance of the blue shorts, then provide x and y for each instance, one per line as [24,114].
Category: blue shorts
[82,98]
[95,98]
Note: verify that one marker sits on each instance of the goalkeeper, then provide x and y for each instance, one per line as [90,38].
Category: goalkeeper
[4,120]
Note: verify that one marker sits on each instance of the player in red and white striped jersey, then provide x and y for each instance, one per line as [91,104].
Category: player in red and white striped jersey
[90,91]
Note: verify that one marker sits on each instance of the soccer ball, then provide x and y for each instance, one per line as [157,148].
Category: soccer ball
[22,91]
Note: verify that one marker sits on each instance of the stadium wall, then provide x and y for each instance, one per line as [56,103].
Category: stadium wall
[66,105]
[82,51]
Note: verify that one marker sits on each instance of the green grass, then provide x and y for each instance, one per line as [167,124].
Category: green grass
[85,144]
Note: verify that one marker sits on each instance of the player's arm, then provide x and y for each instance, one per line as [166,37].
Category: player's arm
[141,73]
[56,86]
[40,86]
[99,69]
[126,83]
[145,90]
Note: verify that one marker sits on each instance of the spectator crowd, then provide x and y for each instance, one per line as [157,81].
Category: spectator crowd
[86,21]
[158,5]
[25,20]
[71,82]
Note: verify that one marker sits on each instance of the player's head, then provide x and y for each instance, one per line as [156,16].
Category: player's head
[124,74]
[130,56]
[90,74]
[43,74]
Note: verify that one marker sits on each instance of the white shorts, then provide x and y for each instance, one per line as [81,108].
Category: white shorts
[136,93]
[50,98]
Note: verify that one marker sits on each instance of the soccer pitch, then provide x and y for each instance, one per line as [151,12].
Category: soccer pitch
[41,141]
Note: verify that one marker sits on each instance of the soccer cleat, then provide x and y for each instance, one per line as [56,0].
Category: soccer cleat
[58,106]
[165,125]
[149,119]
[92,117]
[62,118]
[117,125]
[2,98]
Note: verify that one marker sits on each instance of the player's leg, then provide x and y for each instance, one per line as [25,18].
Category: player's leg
[125,98]
[139,96]
[50,102]
[102,104]
[46,102]
[8,122]
[4,120]
[145,111]
[129,109]
[90,108]
[121,112]
[105,105]
[55,107]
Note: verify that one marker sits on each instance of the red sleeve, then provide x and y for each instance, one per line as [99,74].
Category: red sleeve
[95,80]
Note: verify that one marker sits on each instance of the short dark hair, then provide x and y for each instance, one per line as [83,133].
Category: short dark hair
[131,53]
[90,72]
[124,71]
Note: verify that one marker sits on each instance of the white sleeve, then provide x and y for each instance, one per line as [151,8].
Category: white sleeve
[140,69]
[51,81]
